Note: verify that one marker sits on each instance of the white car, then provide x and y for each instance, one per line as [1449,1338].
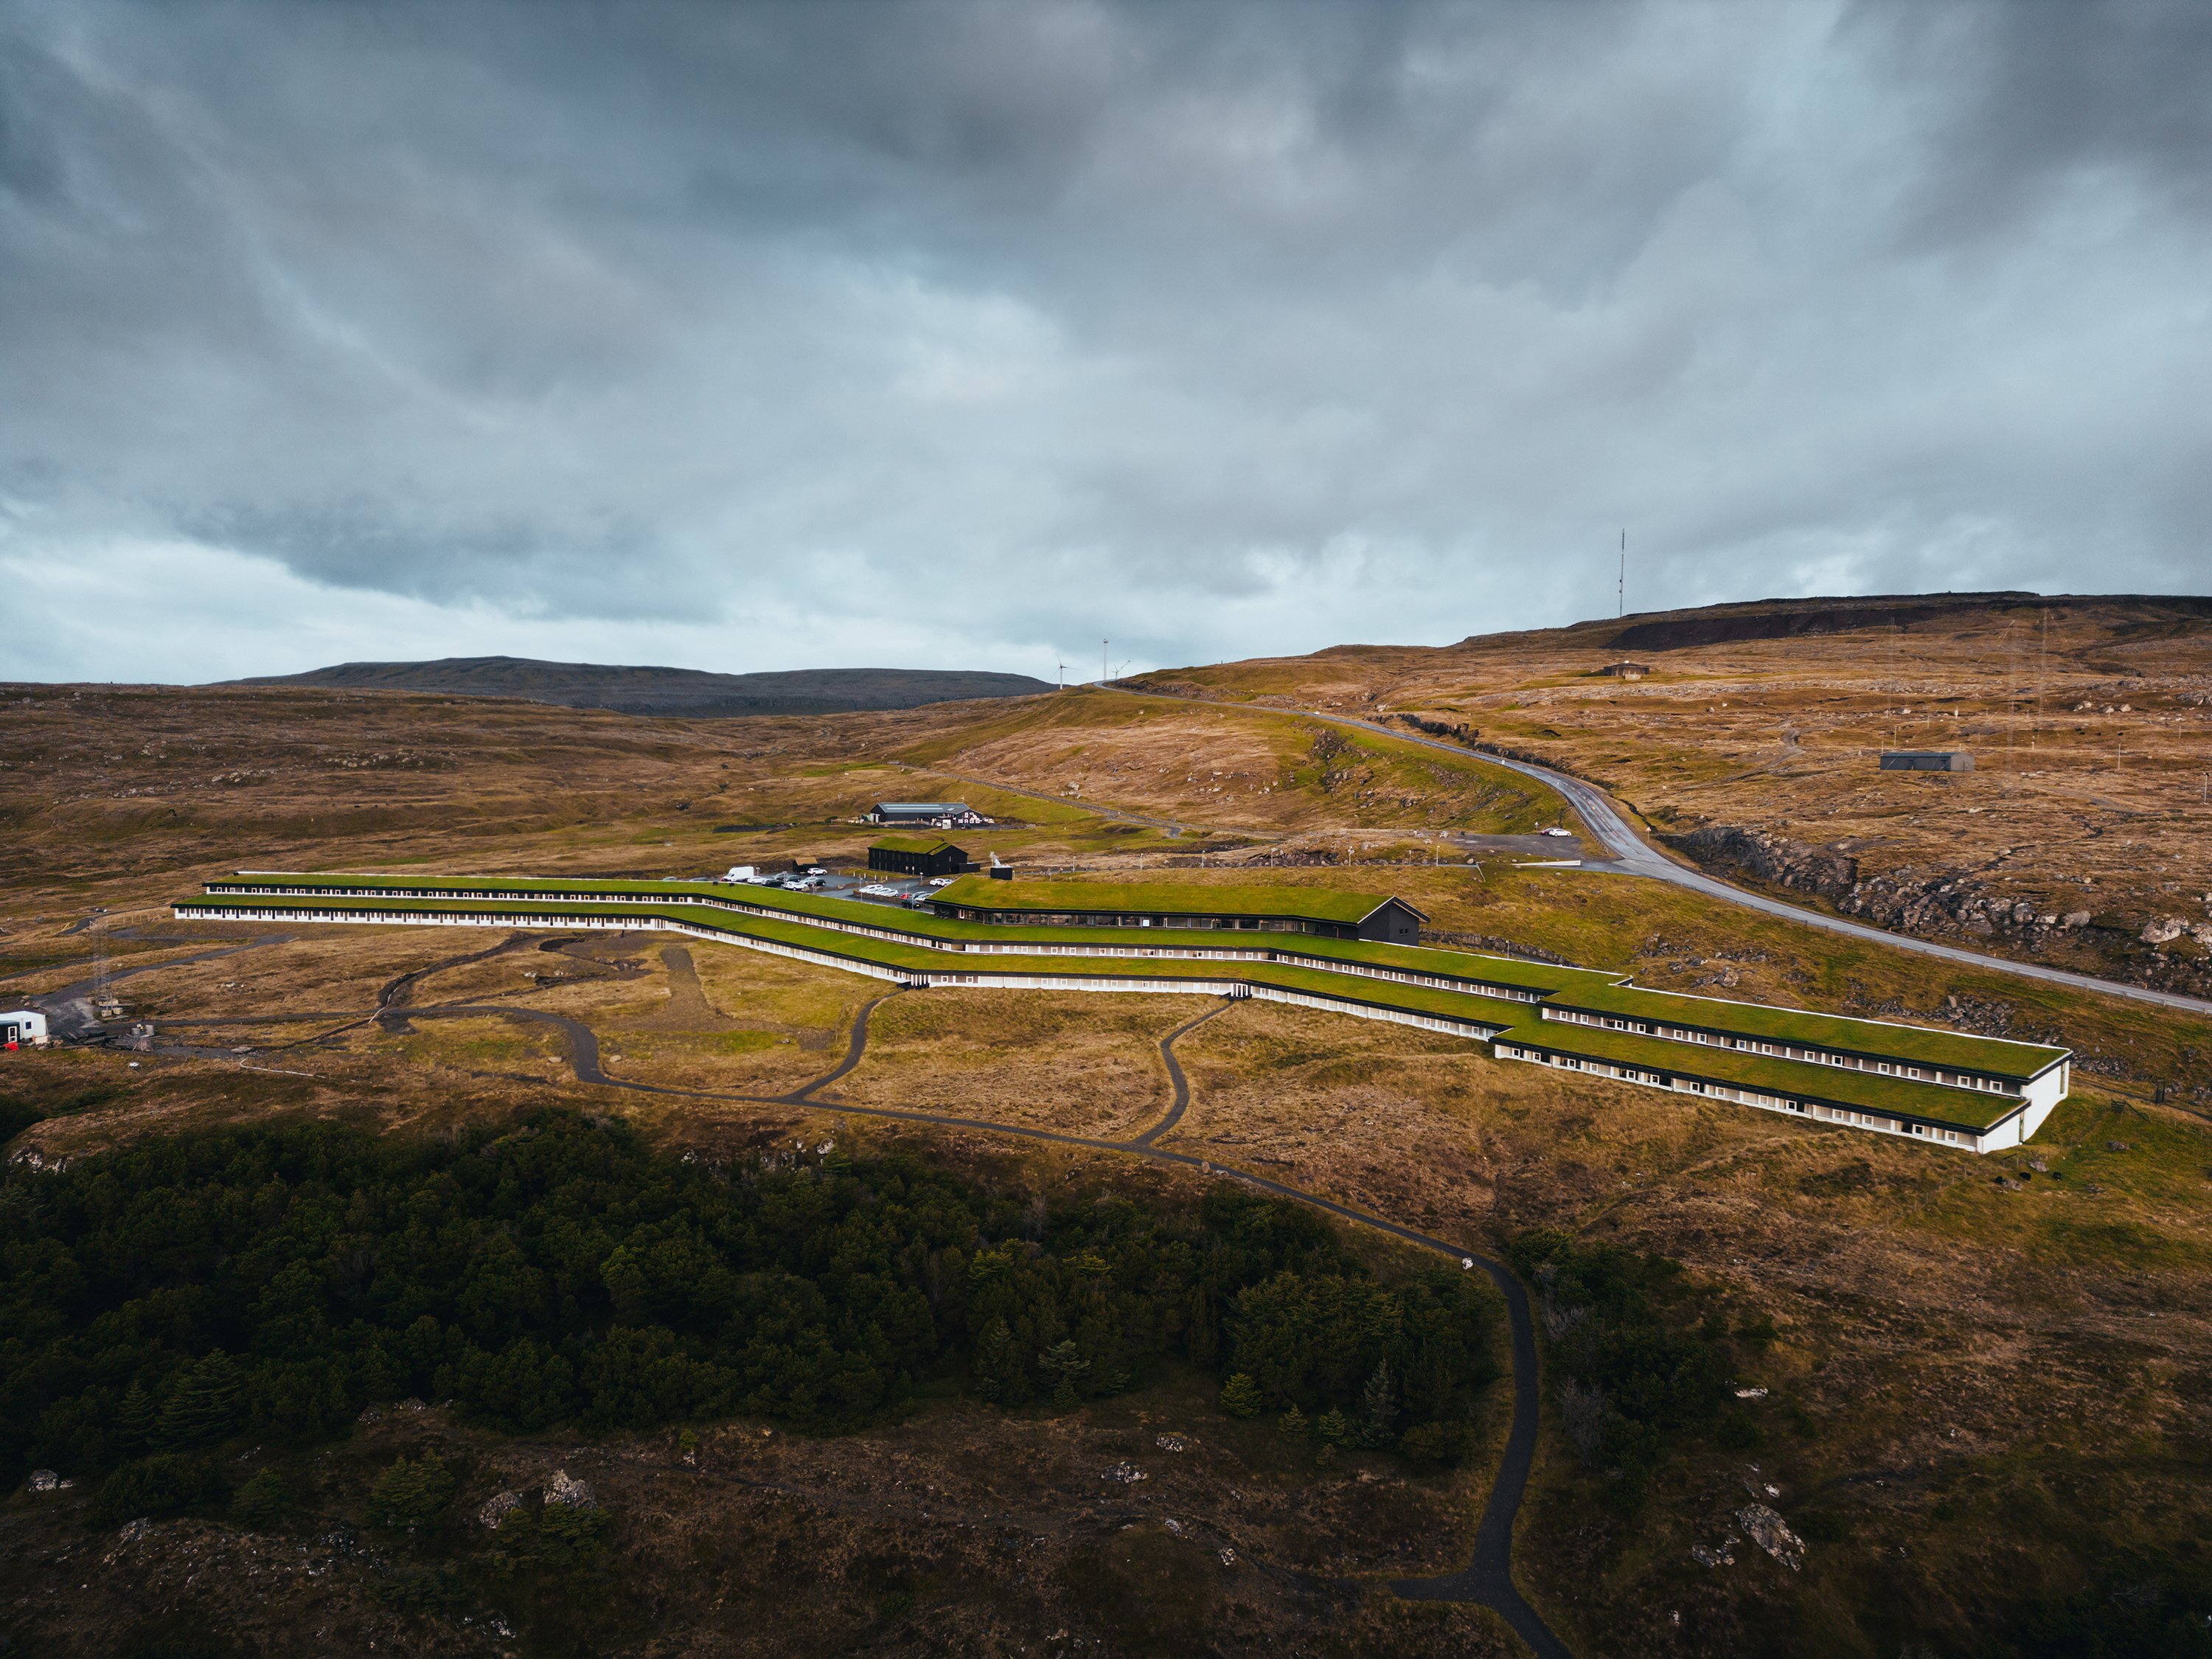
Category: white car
[943,881]
[1564,835]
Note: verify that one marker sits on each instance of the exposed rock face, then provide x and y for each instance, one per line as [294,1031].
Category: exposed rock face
[497,1507]
[1949,904]
[1766,1529]
[1771,858]
[565,1488]
[1458,731]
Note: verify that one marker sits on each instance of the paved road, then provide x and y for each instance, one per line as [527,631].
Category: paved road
[1630,854]
[68,1011]
[1181,1101]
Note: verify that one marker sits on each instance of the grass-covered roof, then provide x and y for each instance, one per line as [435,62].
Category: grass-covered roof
[1798,1080]
[924,845]
[1991,1056]
[1162,898]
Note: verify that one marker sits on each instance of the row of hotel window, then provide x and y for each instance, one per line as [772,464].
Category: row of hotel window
[1785,1051]
[1747,1097]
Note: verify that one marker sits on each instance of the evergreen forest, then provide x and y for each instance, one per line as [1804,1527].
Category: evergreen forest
[157,1300]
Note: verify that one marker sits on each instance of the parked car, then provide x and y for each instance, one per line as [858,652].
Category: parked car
[1565,835]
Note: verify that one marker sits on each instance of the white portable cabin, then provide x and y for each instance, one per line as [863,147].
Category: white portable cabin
[23,1028]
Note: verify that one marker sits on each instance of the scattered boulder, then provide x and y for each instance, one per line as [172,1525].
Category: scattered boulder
[2163,930]
[1128,1474]
[1768,1531]
[497,1507]
[1722,1554]
[370,1414]
[47,1480]
[565,1488]
[1174,1442]
[134,1530]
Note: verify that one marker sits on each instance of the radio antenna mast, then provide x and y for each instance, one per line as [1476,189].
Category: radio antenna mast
[1103,675]
[1620,596]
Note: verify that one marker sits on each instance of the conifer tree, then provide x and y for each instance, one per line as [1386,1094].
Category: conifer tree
[1378,1408]
[135,1418]
[203,1406]
[1240,1397]
[1000,1376]
[410,1495]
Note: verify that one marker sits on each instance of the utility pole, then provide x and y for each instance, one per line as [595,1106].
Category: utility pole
[1620,595]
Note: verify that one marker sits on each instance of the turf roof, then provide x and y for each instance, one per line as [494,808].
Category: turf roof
[1162,899]
[912,844]
[1491,1012]
[1565,986]
[1993,1056]
[1798,1079]
[1477,969]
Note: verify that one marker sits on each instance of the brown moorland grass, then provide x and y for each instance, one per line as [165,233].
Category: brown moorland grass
[2090,720]
[2006,1384]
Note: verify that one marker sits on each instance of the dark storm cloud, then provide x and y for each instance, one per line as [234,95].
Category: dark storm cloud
[761,335]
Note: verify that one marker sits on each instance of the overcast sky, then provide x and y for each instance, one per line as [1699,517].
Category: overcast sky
[962,335]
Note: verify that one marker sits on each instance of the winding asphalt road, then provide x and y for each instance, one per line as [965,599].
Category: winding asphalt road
[1630,854]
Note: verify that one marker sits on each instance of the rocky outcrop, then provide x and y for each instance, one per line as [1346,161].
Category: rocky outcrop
[1951,905]
[1770,859]
[1457,730]
[1768,1530]
[565,1488]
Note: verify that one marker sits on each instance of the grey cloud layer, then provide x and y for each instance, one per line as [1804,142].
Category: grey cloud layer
[1225,328]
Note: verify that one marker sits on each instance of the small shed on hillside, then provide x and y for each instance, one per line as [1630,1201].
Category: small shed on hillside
[1926,759]
[917,855]
[22,1028]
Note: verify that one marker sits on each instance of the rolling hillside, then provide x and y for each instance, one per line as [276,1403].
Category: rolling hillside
[680,691]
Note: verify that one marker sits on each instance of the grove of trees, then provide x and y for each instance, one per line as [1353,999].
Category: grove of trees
[156,1300]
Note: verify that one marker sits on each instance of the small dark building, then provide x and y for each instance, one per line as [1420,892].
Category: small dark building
[1394,921]
[1926,759]
[917,855]
[1002,873]
[1626,671]
[940,814]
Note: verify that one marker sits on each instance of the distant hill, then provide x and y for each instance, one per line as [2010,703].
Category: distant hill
[1794,618]
[682,691]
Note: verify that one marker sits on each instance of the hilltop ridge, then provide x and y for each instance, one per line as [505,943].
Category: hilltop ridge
[691,692]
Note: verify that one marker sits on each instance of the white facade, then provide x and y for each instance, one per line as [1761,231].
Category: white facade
[24,1027]
[2013,1131]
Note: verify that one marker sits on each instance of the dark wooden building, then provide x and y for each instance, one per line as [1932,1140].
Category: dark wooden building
[1926,759]
[917,855]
